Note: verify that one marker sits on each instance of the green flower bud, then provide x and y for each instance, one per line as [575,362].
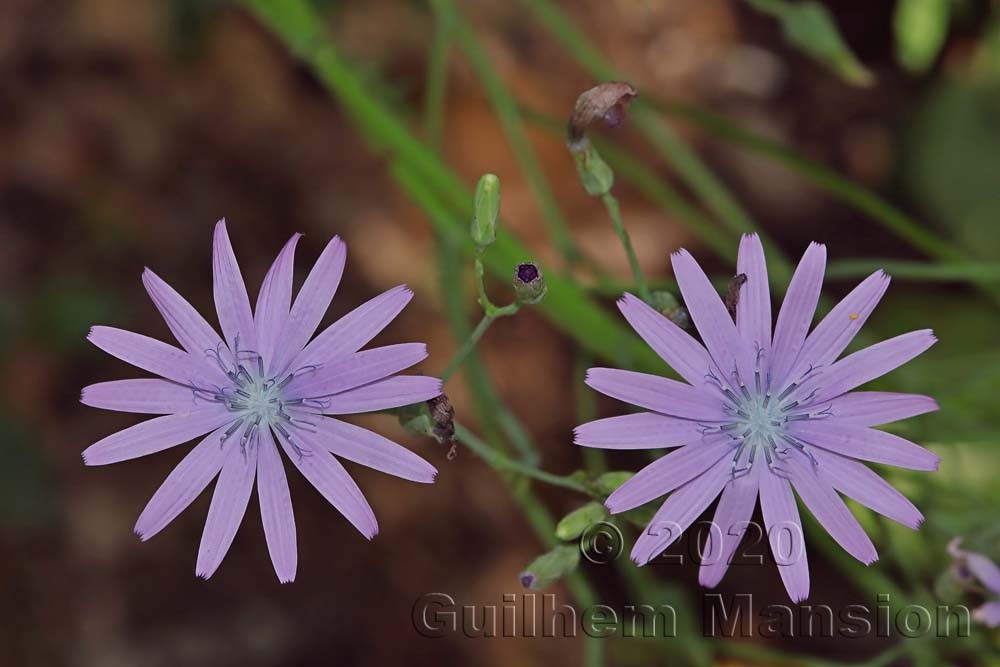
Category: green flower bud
[667,304]
[529,284]
[576,522]
[595,174]
[609,482]
[485,209]
[550,567]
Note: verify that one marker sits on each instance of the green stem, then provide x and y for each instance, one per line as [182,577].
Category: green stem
[437,81]
[611,204]
[467,347]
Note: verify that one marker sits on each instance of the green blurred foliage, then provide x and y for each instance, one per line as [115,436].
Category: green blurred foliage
[921,27]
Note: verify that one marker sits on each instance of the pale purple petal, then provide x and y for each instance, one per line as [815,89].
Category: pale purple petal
[150,396]
[155,435]
[674,345]
[329,477]
[184,483]
[274,302]
[645,430]
[229,504]
[656,393]
[982,568]
[679,511]
[154,356]
[784,532]
[393,392]
[858,481]
[828,508]
[864,443]
[358,369]
[311,303]
[276,508]
[988,614]
[372,450]
[231,301]
[732,517]
[797,311]
[189,328]
[356,329]
[873,408]
[753,310]
[668,473]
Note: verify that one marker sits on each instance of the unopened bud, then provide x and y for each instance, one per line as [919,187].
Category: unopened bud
[595,174]
[667,304]
[485,209]
[550,567]
[576,522]
[529,284]
[605,102]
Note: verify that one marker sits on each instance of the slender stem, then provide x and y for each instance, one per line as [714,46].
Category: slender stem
[614,211]
[467,346]
[437,81]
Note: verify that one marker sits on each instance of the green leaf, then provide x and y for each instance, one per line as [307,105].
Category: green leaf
[921,27]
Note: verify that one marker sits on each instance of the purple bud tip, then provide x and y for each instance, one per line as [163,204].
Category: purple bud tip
[527,272]
[527,580]
[614,116]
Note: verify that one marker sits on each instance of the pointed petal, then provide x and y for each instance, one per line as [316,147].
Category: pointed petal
[753,310]
[155,435]
[393,392]
[150,396]
[274,302]
[858,481]
[276,509]
[656,393]
[982,568]
[828,508]
[797,311]
[674,345]
[988,614]
[668,473]
[678,512]
[865,444]
[356,329]
[370,449]
[732,517]
[873,408]
[184,483]
[645,430]
[154,356]
[189,328]
[232,303]
[229,504]
[784,532]
[358,369]
[311,302]
[329,477]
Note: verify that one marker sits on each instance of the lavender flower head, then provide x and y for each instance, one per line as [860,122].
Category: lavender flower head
[760,415]
[973,568]
[264,384]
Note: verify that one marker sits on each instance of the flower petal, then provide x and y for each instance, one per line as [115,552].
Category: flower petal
[668,473]
[150,396]
[189,328]
[358,369]
[873,408]
[229,504]
[988,614]
[675,346]
[184,483]
[645,430]
[155,435]
[828,508]
[982,568]
[370,449]
[152,355]
[276,508]
[353,331]
[329,477]
[784,533]
[796,313]
[753,310]
[274,302]
[858,481]
[679,511]
[393,392]
[311,302]
[656,393]
[231,301]
[732,517]
[864,443]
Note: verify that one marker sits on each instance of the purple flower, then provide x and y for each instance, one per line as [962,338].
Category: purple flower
[261,386]
[971,568]
[760,415]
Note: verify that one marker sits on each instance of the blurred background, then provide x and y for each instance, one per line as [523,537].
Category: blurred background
[128,128]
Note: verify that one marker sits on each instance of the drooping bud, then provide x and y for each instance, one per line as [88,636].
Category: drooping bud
[550,567]
[576,522]
[529,284]
[485,210]
[605,102]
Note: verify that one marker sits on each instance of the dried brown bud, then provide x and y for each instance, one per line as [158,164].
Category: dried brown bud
[443,416]
[605,102]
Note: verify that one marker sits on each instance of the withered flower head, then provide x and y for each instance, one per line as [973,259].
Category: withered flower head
[605,102]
